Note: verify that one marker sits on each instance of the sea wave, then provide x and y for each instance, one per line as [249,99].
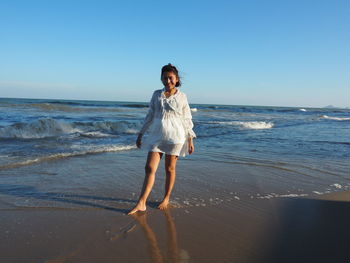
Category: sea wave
[253,125]
[82,151]
[332,142]
[335,118]
[257,125]
[72,108]
[134,105]
[48,127]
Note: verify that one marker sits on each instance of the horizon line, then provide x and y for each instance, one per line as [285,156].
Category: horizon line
[219,104]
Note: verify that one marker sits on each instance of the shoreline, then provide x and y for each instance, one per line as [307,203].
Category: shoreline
[74,210]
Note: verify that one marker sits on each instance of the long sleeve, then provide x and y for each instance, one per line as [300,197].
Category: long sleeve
[187,119]
[149,117]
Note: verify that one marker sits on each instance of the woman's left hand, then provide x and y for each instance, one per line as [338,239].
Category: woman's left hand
[190,146]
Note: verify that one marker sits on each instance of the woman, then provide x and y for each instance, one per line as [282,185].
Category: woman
[169,122]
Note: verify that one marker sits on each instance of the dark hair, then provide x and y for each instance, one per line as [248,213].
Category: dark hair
[173,69]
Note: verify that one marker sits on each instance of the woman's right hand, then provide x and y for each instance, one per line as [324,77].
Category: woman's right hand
[138,141]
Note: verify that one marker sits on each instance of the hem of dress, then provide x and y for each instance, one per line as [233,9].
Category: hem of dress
[159,151]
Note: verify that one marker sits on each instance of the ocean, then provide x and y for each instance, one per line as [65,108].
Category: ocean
[52,148]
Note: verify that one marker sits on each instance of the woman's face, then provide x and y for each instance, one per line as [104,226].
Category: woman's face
[169,80]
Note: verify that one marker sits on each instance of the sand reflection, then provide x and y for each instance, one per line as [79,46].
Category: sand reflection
[173,253]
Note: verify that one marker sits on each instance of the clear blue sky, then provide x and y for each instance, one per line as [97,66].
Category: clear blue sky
[283,53]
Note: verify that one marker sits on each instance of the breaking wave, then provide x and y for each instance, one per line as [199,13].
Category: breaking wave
[335,118]
[89,150]
[254,125]
[48,127]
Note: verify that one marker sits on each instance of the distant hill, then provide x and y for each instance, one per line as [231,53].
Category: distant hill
[330,107]
[334,107]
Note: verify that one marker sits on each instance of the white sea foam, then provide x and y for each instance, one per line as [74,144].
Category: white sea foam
[335,118]
[194,109]
[302,110]
[273,195]
[257,125]
[338,186]
[292,195]
[132,131]
[254,125]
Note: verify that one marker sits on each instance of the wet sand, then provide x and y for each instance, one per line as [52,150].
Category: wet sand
[74,210]
[279,230]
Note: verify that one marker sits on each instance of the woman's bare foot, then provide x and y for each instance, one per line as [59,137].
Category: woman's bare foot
[139,207]
[164,204]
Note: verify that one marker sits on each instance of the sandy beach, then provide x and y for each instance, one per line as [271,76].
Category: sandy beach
[54,217]
[288,230]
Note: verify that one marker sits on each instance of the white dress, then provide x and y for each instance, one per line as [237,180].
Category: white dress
[169,123]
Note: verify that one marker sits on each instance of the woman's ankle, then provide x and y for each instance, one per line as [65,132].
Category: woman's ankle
[141,202]
[166,198]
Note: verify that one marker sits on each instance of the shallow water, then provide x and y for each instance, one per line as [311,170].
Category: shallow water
[74,154]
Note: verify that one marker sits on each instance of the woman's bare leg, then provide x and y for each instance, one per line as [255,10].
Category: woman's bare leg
[170,170]
[152,163]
